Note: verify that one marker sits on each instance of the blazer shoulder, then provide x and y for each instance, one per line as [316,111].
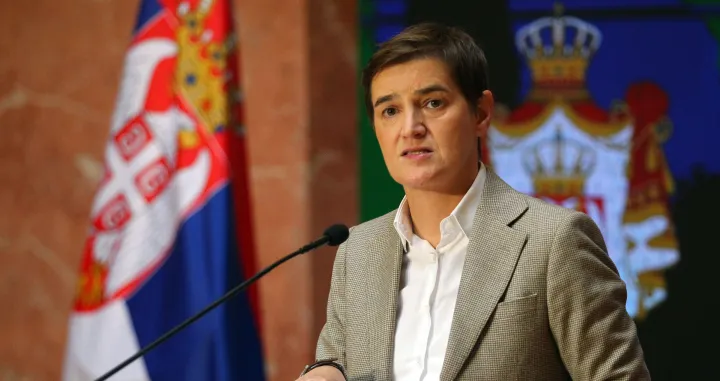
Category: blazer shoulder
[546,215]
[370,229]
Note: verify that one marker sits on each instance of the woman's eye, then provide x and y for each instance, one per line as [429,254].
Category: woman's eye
[434,103]
[390,111]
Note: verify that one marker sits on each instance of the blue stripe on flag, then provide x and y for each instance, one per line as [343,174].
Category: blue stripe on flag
[148,10]
[204,264]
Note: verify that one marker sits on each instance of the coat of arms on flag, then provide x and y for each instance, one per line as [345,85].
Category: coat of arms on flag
[561,147]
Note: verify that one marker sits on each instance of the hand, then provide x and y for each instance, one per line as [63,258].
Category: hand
[323,373]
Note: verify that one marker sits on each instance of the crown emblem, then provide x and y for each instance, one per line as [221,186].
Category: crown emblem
[202,74]
[558,49]
[559,166]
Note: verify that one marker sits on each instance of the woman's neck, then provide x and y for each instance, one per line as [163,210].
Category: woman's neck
[429,208]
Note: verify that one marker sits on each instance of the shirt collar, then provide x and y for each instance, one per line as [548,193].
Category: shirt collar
[463,215]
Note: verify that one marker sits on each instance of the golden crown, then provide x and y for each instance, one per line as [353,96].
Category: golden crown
[559,166]
[202,75]
[558,49]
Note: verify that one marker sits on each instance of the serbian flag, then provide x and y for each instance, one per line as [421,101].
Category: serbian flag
[169,230]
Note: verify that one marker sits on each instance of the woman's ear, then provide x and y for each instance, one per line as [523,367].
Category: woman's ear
[484,111]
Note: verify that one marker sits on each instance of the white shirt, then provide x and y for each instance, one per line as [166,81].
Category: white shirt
[429,288]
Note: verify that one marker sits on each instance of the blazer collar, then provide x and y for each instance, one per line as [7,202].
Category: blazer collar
[493,250]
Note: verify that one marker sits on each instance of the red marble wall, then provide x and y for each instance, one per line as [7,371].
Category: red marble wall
[60,62]
[300,68]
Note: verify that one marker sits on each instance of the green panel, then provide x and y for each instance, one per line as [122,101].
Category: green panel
[379,193]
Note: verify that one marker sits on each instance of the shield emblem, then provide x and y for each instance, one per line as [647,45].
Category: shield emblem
[559,146]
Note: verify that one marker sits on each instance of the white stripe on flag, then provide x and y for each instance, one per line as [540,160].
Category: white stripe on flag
[99,341]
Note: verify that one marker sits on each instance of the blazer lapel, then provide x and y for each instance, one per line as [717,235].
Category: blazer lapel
[492,253]
[383,286]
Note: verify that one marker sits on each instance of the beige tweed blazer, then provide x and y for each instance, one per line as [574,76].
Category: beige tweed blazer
[539,299]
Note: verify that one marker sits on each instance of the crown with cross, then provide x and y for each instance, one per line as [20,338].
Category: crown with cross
[558,49]
[559,166]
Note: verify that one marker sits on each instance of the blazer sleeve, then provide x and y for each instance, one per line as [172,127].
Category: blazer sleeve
[331,343]
[596,337]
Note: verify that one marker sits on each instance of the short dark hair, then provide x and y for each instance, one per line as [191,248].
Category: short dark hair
[465,59]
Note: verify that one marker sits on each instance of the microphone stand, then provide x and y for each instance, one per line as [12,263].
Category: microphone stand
[327,238]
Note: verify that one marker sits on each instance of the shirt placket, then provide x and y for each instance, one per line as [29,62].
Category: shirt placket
[425,327]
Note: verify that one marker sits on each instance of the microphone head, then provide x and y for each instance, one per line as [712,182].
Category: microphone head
[336,234]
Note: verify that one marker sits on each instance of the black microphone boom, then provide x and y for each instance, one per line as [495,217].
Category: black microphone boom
[333,236]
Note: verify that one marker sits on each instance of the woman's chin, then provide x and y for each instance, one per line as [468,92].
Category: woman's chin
[420,181]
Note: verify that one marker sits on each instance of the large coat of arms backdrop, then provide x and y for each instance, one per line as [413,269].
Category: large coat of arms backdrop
[561,147]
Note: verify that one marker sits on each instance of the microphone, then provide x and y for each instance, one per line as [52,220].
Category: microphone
[333,236]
